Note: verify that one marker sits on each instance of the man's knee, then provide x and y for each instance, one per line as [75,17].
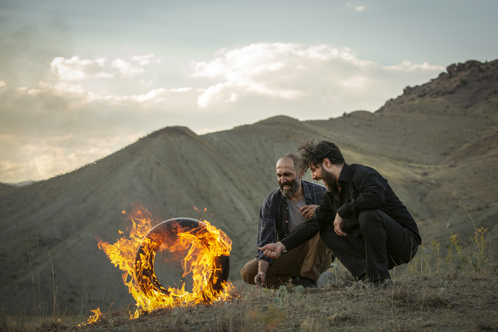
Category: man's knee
[248,272]
[368,216]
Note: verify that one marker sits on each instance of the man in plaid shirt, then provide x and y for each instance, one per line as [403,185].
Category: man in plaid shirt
[283,210]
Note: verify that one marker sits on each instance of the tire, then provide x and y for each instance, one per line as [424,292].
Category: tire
[166,232]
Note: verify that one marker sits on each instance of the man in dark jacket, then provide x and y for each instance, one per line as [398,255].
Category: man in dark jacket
[284,209]
[360,218]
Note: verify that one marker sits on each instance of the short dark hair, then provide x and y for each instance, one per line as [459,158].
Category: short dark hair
[313,153]
[295,158]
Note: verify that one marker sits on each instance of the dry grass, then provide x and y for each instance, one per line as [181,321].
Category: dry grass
[411,304]
[455,292]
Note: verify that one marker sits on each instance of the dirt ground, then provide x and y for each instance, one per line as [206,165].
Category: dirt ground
[450,303]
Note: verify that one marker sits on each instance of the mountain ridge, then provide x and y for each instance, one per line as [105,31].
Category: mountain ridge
[440,163]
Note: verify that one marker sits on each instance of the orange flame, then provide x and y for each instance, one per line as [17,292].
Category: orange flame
[205,244]
[95,317]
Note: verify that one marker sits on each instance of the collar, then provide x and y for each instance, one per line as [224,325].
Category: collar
[307,194]
[344,176]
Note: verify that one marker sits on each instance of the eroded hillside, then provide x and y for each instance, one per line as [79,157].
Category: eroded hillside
[437,144]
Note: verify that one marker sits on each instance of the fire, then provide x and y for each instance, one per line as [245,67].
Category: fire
[95,317]
[207,247]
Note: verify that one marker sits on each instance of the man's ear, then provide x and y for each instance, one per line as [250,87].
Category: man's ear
[301,173]
[326,162]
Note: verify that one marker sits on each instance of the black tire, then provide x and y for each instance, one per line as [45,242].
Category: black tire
[167,231]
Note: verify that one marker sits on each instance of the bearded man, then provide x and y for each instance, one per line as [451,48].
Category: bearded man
[360,218]
[283,210]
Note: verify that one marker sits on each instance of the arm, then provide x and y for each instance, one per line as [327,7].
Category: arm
[260,278]
[302,233]
[266,227]
[372,189]
[323,217]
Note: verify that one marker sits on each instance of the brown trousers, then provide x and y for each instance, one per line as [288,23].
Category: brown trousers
[308,260]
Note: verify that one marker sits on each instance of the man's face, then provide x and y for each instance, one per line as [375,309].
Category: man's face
[329,180]
[289,181]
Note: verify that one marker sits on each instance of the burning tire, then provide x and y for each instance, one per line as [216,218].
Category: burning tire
[208,261]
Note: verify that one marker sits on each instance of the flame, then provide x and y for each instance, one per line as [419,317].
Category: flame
[95,317]
[204,244]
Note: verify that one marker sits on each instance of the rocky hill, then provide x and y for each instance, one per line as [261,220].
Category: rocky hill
[436,143]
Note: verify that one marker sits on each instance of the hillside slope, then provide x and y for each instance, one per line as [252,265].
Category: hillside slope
[437,144]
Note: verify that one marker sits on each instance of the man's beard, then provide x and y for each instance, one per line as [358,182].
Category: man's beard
[330,181]
[288,193]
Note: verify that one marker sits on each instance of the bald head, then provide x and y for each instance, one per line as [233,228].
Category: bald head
[290,158]
[288,176]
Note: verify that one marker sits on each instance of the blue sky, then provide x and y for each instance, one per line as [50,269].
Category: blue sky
[79,80]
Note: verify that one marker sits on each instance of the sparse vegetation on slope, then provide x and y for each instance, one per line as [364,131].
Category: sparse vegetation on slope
[455,292]
[439,152]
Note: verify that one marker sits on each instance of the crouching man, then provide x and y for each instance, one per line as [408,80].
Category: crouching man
[360,218]
[283,210]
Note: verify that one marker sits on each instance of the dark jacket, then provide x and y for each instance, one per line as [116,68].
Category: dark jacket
[362,188]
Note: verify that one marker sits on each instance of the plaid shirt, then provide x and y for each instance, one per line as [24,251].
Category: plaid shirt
[273,223]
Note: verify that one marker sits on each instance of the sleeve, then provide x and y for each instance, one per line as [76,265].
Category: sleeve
[304,232]
[266,226]
[372,189]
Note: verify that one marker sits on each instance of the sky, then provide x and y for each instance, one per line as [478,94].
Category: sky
[82,79]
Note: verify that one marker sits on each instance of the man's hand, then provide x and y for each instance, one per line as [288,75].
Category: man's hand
[308,210]
[273,250]
[338,225]
[260,279]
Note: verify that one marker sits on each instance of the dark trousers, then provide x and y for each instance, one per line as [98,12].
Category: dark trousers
[375,244]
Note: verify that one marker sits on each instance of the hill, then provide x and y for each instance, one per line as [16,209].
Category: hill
[436,143]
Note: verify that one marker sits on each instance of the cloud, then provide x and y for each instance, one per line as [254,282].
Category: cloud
[126,69]
[157,95]
[51,156]
[293,72]
[83,109]
[357,8]
[408,66]
[144,60]
[75,69]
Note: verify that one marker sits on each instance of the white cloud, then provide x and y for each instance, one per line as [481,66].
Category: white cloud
[410,67]
[211,93]
[357,8]
[88,98]
[75,69]
[296,72]
[356,82]
[125,68]
[144,60]
[47,157]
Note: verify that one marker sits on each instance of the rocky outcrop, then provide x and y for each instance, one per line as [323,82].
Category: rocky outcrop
[479,79]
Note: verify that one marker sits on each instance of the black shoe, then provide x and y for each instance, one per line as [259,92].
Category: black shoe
[306,282]
[295,281]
